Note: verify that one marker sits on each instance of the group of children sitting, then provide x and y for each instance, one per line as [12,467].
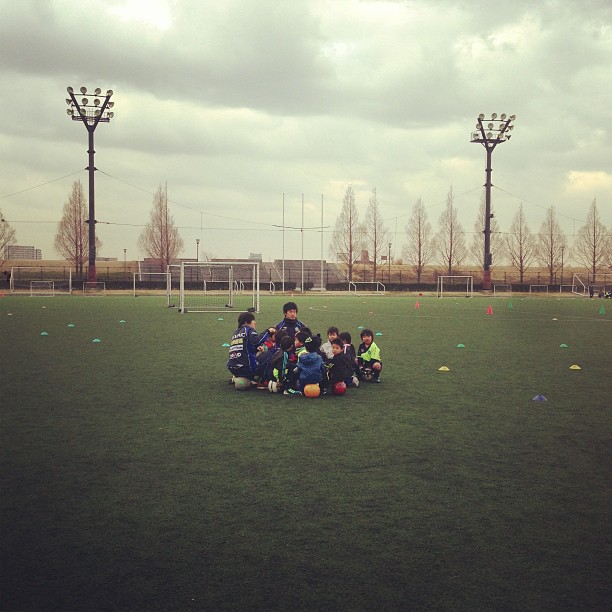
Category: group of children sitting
[286,358]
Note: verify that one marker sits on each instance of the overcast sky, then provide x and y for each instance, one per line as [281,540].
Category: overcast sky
[234,103]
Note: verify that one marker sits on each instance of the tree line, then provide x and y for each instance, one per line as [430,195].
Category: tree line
[159,239]
[353,238]
[550,248]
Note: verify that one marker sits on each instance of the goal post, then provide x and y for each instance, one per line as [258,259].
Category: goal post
[579,287]
[533,289]
[94,288]
[219,286]
[455,285]
[42,288]
[366,288]
[502,289]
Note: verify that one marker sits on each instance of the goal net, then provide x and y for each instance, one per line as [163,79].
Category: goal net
[455,285]
[93,288]
[219,286]
[365,288]
[533,289]
[40,280]
[502,290]
[579,287]
[42,288]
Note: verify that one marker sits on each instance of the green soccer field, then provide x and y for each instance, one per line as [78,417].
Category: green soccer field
[135,478]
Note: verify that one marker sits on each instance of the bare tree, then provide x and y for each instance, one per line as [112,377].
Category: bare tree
[419,249]
[608,250]
[7,237]
[346,239]
[592,241]
[520,243]
[374,232]
[450,241]
[551,244]
[160,239]
[72,236]
[478,239]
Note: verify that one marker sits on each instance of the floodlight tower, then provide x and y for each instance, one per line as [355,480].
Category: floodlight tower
[90,115]
[497,131]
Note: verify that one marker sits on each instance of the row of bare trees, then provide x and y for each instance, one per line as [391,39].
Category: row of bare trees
[159,239]
[592,246]
[351,237]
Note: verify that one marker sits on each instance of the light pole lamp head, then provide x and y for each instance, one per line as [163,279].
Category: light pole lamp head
[90,112]
[495,130]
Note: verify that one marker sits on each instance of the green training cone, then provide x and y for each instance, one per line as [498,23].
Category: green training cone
[510,305]
[602,310]
[461,346]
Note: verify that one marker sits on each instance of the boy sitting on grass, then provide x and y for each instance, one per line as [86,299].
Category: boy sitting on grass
[279,366]
[340,368]
[310,367]
[332,334]
[368,357]
[242,361]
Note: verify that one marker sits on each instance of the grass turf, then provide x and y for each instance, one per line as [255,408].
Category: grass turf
[135,478]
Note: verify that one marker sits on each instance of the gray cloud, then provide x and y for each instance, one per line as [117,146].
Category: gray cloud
[235,103]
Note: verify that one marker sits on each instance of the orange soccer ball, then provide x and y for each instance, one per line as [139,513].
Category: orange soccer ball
[312,390]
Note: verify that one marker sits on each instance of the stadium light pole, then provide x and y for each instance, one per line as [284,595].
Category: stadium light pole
[497,130]
[90,114]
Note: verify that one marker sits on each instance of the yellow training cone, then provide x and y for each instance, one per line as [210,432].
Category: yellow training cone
[443,369]
[575,367]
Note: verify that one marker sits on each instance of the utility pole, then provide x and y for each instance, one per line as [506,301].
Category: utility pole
[496,132]
[90,114]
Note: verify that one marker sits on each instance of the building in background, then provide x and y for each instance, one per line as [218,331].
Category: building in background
[15,251]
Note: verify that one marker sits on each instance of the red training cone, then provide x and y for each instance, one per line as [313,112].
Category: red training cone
[417,305]
[490,310]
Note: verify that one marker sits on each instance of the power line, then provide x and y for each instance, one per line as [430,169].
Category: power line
[203,212]
[514,195]
[456,197]
[8,195]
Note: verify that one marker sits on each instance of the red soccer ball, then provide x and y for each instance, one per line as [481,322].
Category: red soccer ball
[339,388]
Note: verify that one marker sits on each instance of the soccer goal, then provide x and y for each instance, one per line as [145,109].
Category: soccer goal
[219,286]
[42,288]
[538,289]
[579,287]
[365,288]
[92,288]
[41,280]
[502,290]
[455,285]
